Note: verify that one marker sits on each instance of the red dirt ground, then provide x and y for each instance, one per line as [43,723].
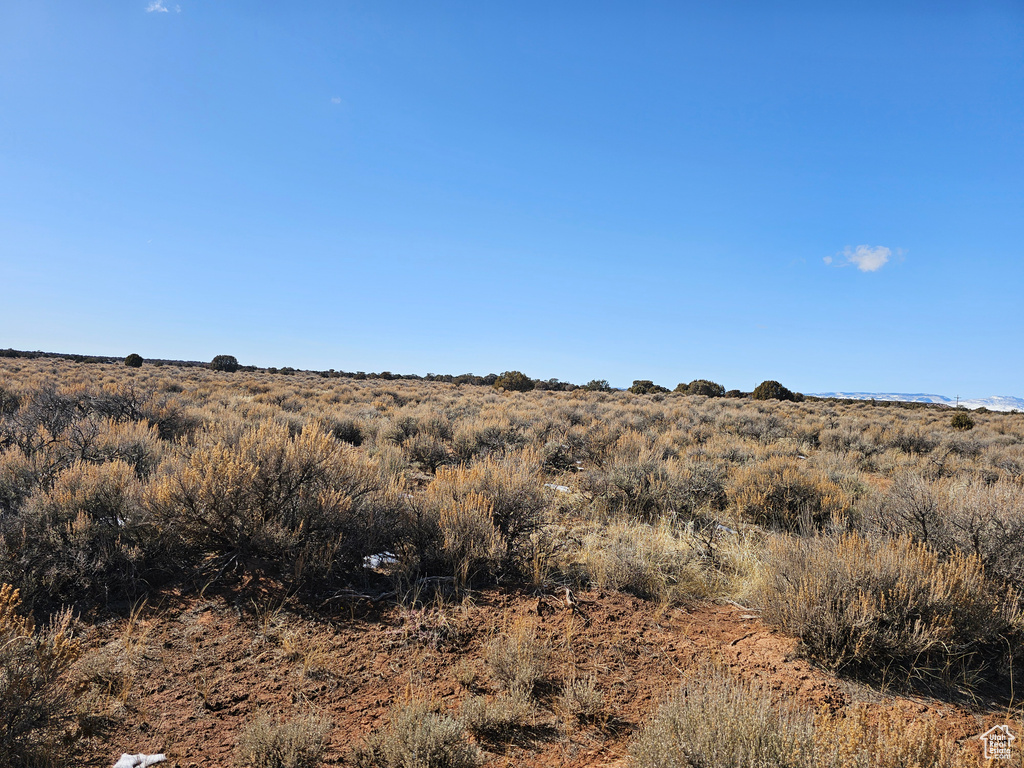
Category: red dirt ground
[191,672]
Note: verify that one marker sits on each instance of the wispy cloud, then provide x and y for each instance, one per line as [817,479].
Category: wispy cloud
[157,6]
[335,100]
[867,258]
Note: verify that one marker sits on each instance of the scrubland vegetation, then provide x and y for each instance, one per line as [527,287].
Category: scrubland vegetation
[889,540]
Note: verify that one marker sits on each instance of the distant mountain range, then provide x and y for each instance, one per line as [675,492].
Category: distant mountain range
[995,403]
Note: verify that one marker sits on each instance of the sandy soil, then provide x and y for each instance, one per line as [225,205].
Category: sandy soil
[189,672]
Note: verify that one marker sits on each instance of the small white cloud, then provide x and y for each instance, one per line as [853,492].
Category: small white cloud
[157,6]
[335,100]
[177,9]
[866,258]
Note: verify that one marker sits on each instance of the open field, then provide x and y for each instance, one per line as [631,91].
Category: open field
[262,569]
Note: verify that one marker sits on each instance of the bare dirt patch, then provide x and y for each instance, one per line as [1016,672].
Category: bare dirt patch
[191,672]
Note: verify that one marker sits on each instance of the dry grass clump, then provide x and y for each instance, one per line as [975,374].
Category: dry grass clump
[297,742]
[517,659]
[104,677]
[719,721]
[885,608]
[500,717]
[35,699]
[418,737]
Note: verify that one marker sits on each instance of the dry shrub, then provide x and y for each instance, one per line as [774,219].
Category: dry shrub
[568,452]
[779,492]
[1008,461]
[18,475]
[911,441]
[470,541]
[399,430]
[719,721]
[86,534]
[644,483]
[843,441]
[639,484]
[511,486]
[391,463]
[887,740]
[499,718]
[293,743]
[34,697]
[517,659]
[580,700]
[10,399]
[987,520]
[880,606]
[346,430]
[702,486]
[486,436]
[279,500]
[765,428]
[136,443]
[454,530]
[79,422]
[649,561]
[42,419]
[911,506]
[982,519]
[427,452]
[418,737]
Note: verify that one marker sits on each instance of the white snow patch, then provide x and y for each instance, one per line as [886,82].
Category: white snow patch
[138,761]
[381,559]
[559,488]
[995,403]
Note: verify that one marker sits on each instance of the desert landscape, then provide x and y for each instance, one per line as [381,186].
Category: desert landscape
[239,567]
[511,385]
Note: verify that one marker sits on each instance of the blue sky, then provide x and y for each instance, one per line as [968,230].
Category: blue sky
[827,194]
